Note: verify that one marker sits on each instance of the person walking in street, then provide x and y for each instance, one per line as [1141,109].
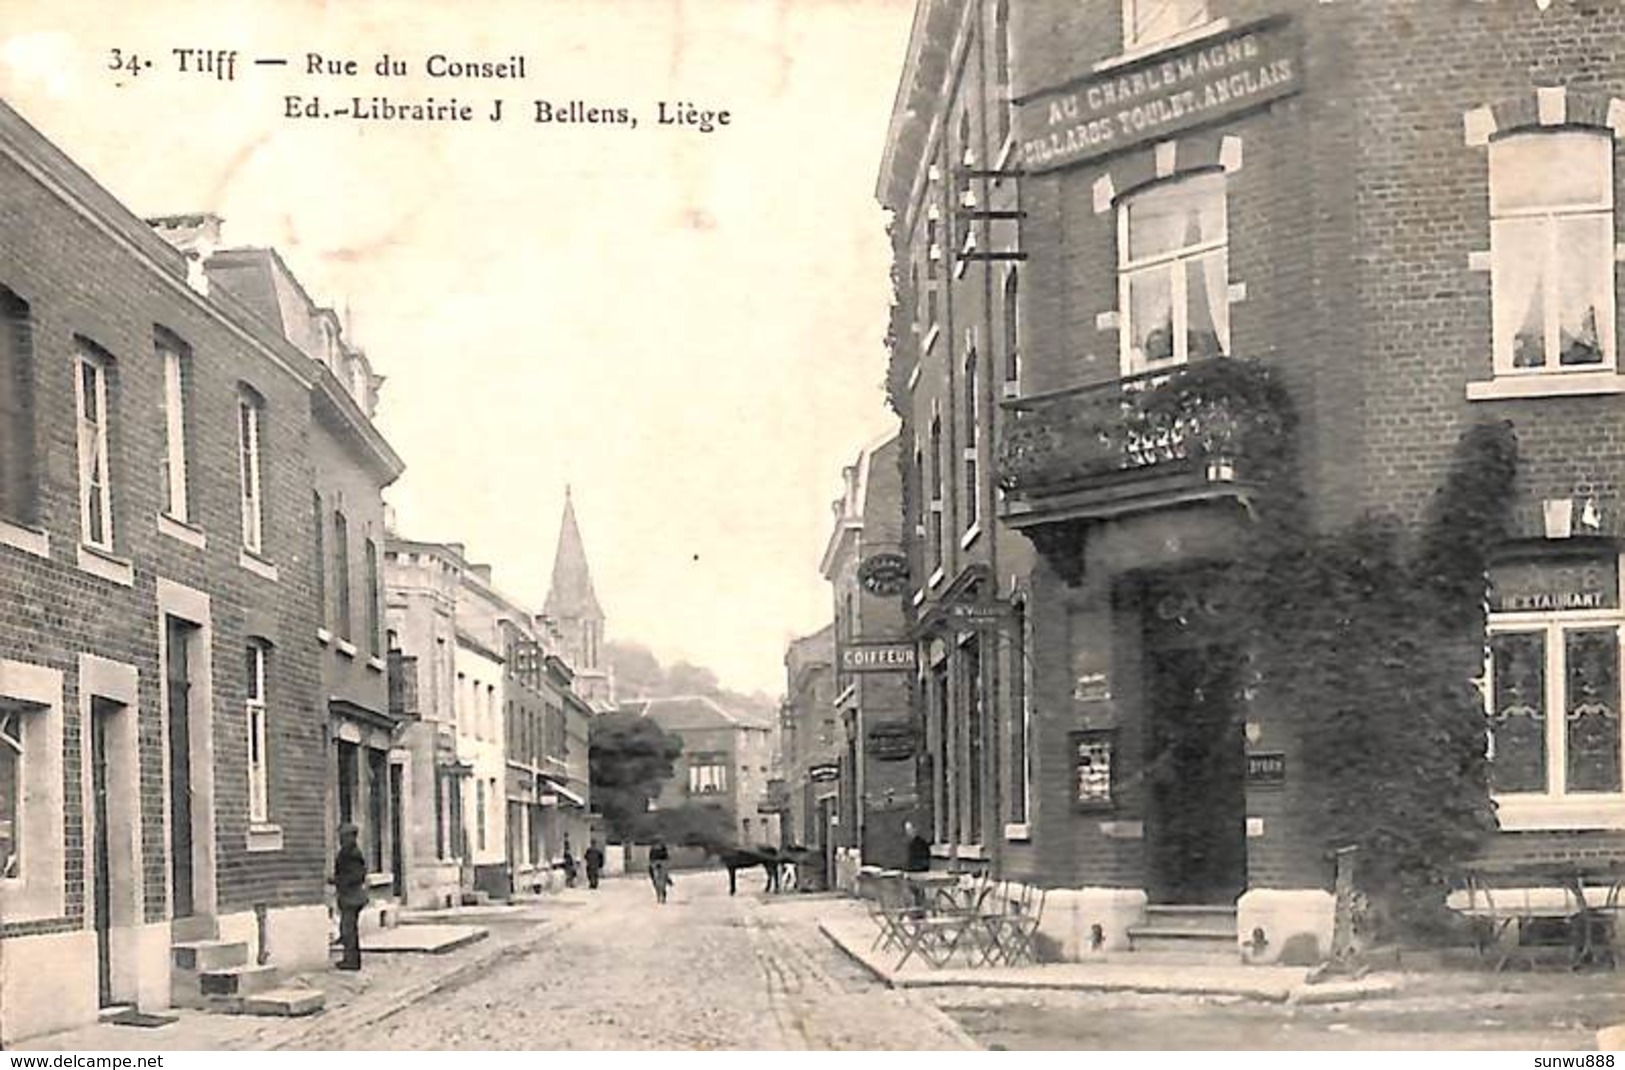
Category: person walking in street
[660,868]
[569,865]
[595,863]
[350,886]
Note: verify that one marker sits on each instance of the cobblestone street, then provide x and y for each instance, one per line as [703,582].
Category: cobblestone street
[703,972]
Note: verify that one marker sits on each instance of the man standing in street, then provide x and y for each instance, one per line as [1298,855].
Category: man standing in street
[350,884]
[595,863]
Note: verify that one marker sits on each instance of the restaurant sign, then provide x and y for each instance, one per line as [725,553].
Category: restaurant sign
[1158,96]
[878,657]
[1545,586]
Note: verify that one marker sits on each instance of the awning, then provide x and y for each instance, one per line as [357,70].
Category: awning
[548,784]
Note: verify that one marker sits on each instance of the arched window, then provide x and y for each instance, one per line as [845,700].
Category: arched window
[1552,251]
[1173,274]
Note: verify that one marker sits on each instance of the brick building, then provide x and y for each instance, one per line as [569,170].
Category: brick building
[1367,199]
[873,662]
[726,762]
[813,745]
[353,464]
[162,726]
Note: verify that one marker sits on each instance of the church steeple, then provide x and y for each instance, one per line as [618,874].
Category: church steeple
[571,596]
[573,606]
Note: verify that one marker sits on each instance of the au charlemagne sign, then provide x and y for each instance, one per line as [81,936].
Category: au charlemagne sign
[1160,95]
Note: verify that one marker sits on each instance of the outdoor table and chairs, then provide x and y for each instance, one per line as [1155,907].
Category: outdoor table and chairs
[1527,905]
[939,915]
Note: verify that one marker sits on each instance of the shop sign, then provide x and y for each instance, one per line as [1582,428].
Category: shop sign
[884,574]
[1547,586]
[1092,769]
[1092,687]
[890,742]
[1266,769]
[879,657]
[1152,99]
[976,612]
[824,772]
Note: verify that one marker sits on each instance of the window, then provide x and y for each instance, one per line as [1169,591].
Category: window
[973,416]
[970,660]
[341,574]
[320,557]
[1554,707]
[174,358]
[1021,723]
[18,472]
[1001,69]
[479,814]
[95,492]
[259,784]
[708,774]
[935,519]
[1173,274]
[1012,338]
[964,190]
[1146,22]
[249,411]
[11,794]
[375,624]
[1552,251]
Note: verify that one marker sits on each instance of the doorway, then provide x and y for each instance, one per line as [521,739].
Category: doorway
[101,711]
[1196,827]
[397,853]
[179,637]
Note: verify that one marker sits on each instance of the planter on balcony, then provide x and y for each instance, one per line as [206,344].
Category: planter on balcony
[1224,418]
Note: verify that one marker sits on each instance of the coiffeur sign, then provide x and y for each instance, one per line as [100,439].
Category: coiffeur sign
[1155,97]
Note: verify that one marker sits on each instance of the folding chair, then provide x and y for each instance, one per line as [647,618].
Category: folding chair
[893,907]
[1018,931]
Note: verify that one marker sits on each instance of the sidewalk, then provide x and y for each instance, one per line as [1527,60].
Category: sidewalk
[849,928]
[354,1000]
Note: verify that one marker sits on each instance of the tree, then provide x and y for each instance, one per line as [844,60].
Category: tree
[631,758]
[690,825]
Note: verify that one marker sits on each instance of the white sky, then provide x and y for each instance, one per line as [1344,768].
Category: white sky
[685,327]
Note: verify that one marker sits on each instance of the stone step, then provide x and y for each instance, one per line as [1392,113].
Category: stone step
[284,1002]
[236,981]
[194,927]
[196,956]
[1181,954]
[1213,919]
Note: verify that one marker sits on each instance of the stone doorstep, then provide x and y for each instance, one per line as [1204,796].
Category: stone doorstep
[423,939]
[198,956]
[237,981]
[284,1003]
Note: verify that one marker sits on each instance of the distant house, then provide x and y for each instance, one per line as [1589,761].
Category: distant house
[726,760]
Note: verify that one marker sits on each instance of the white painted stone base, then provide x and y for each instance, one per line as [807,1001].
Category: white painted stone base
[847,863]
[47,983]
[614,860]
[140,957]
[298,937]
[1070,915]
[1283,913]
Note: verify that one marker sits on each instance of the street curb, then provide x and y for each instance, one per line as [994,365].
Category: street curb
[944,1020]
[351,1018]
[870,968]
[1343,991]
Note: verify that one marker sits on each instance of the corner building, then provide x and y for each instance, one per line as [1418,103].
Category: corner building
[1407,214]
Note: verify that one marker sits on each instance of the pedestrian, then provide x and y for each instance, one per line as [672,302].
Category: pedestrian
[595,863]
[350,884]
[659,868]
[569,865]
[919,849]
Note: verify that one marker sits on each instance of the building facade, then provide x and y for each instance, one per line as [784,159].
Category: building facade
[874,661]
[162,722]
[726,763]
[814,747]
[1366,201]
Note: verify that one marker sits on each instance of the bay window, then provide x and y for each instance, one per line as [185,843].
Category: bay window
[1553,699]
[1552,251]
[1173,274]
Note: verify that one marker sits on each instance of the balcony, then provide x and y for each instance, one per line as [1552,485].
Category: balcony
[1219,428]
